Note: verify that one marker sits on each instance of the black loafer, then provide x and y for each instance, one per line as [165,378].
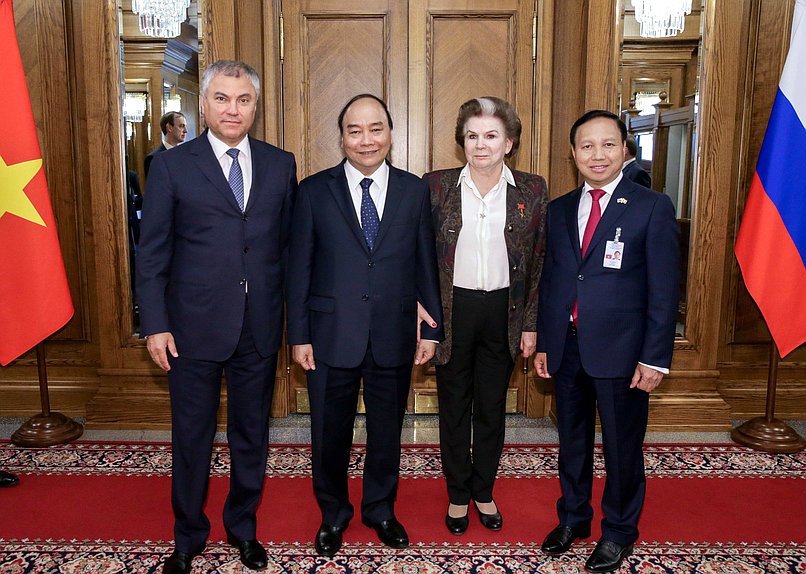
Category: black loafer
[179,563]
[328,540]
[607,556]
[561,538]
[457,525]
[490,521]
[7,479]
[253,555]
[390,532]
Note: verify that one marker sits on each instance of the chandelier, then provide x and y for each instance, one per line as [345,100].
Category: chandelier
[161,18]
[661,18]
[134,106]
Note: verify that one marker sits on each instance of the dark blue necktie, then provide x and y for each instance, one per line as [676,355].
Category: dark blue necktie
[236,177]
[370,222]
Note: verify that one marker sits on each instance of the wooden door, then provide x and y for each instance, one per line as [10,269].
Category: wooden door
[424,57]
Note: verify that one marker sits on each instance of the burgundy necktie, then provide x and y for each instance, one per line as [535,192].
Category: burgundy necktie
[590,227]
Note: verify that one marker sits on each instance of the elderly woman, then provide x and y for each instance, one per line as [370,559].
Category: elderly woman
[490,224]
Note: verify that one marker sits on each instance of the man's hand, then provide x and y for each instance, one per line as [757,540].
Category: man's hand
[425,350]
[156,345]
[645,378]
[528,343]
[541,366]
[303,355]
[422,315]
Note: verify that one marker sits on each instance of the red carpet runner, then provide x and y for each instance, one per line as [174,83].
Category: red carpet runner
[105,507]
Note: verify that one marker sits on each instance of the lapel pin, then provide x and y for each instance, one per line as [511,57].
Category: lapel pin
[622,200]
[521,208]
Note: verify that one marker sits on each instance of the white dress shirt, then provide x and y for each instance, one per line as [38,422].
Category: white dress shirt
[481,261]
[244,160]
[585,204]
[377,191]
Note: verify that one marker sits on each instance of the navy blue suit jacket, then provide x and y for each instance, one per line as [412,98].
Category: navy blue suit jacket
[638,174]
[341,296]
[626,315]
[198,250]
[150,157]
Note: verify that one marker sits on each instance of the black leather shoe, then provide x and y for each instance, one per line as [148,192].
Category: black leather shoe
[607,556]
[178,563]
[490,521]
[561,538]
[7,479]
[457,525]
[328,540]
[390,532]
[253,555]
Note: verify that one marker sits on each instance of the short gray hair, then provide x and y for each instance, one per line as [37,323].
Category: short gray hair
[233,68]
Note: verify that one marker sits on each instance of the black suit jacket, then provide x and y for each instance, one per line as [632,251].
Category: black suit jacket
[341,296]
[638,174]
[626,315]
[150,157]
[198,251]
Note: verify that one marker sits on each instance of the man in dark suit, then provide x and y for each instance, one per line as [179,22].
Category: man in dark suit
[174,129]
[605,331]
[362,255]
[216,218]
[632,169]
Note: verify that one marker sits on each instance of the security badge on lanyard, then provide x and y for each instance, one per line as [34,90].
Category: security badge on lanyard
[614,252]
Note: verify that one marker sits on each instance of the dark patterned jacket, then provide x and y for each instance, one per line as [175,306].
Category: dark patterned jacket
[524,233]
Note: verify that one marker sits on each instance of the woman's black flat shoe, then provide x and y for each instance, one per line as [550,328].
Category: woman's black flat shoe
[456,526]
[490,521]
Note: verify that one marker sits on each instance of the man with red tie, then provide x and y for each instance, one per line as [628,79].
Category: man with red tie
[605,332]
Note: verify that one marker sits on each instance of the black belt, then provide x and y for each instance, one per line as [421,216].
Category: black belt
[478,292]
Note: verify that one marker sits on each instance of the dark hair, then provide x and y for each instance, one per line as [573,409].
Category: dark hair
[593,114]
[169,118]
[489,106]
[361,97]
[632,146]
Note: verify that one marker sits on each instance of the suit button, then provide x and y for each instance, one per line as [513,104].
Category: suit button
[515,268]
[242,282]
[365,297]
[513,307]
[246,250]
[580,277]
[509,227]
[371,264]
[245,218]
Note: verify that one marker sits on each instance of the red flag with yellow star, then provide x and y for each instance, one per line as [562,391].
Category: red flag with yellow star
[34,296]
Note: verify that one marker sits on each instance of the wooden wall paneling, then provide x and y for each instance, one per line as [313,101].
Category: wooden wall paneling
[543,85]
[272,74]
[568,92]
[333,51]
[459,52]
[603,25]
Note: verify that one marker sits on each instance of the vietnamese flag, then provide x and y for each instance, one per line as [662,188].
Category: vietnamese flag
[771,245]
[34,296]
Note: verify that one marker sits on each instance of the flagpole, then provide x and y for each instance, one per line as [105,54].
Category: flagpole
[47,428]
[767,433]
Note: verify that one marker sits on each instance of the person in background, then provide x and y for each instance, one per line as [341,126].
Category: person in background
[605,332]
[174,129]
[632,169]
[7,479]
[490,231]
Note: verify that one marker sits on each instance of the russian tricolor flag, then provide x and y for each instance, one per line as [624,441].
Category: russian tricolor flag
[771,245]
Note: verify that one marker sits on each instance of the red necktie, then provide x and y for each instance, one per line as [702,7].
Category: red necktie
[590,227]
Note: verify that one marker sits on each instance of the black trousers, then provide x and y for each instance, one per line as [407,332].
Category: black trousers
[623,413]
[195,387]
[472,393]
[333,393]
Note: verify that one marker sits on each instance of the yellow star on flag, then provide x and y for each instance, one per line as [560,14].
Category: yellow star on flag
[13,179]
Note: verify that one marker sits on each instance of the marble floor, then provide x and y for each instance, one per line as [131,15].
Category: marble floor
[417,429]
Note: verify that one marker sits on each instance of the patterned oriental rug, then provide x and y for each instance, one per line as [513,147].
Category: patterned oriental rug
[104,508]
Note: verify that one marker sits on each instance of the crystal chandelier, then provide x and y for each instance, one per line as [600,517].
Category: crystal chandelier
[661,18]
[134,107]
[161,18]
